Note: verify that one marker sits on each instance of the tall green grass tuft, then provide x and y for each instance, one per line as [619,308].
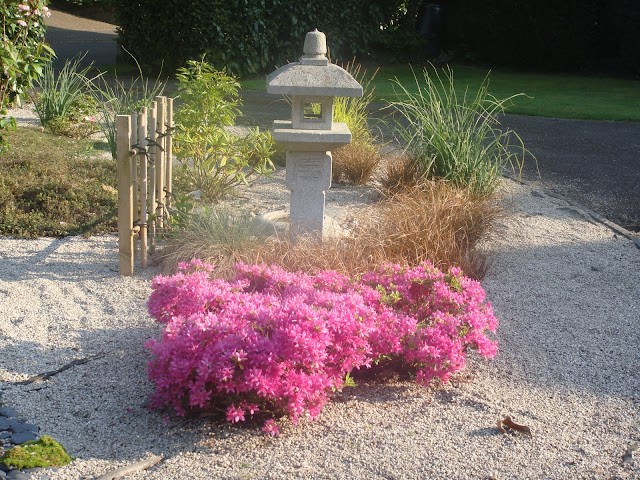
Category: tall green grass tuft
[355,163]
[63,95]
[353,110]
[455,138]
[117,97]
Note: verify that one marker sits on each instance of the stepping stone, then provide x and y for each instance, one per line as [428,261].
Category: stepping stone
[17,475]
[8,412]
[5,434]
[24,427]
[20,438]
[5,423]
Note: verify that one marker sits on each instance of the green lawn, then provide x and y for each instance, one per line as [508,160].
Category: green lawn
[548,95]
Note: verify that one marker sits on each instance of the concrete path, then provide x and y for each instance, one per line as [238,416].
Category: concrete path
[596,164]
[70,35]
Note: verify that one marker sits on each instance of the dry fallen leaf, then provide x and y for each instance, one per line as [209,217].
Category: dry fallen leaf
[512,426]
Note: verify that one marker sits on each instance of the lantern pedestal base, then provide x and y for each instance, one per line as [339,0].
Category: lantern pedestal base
[308,175]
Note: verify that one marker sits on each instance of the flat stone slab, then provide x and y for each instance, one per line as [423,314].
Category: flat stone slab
[22,437]
[24,427]
[8,412]
[310,140]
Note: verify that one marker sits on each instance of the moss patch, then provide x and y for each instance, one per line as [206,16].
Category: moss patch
[45,452]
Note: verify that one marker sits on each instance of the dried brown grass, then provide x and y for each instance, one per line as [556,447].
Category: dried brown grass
[355,163]
[432,221]
[399,174]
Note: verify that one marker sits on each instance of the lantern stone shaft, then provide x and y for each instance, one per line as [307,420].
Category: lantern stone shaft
[310,135]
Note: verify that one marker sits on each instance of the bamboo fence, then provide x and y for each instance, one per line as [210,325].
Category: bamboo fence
[144,155]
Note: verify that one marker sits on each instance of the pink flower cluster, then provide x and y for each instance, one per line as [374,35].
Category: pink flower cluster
[32,11]
[276,342]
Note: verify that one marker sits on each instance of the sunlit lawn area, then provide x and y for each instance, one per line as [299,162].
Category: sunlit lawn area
[548,95]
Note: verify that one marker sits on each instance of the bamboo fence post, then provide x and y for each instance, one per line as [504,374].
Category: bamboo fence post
[152,175]
[134,178]
[169,150]
[160,159]
[125,195]
[142,143]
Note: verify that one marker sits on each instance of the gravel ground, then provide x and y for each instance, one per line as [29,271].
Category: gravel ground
[564,286]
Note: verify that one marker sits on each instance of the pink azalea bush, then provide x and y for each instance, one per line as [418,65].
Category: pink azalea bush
[272,342]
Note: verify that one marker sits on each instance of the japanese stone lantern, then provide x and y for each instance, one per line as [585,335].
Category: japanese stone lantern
[310,135]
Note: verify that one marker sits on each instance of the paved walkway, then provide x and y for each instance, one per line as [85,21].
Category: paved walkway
[596,164]
[70,35]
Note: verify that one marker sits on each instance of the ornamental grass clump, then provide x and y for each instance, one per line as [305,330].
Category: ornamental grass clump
[355,163]
[455,138]
[270,343]
[63,105]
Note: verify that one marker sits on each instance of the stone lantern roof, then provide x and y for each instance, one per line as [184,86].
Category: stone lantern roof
[313,75]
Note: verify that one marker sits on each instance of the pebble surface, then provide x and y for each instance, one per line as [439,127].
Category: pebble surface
[564,287]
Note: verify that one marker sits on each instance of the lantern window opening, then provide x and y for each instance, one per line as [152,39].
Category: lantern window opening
[312,110]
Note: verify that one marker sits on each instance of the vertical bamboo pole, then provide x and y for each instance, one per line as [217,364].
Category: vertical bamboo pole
[125,195]
[152,175]
[160,159]
[142,142]
[169,150]
[134,179]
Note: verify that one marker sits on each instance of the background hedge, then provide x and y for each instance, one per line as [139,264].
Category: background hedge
[247,36]
[589,35]
[252,36]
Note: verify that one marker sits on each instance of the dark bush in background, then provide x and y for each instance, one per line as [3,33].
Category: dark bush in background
[590,35]
[247,36]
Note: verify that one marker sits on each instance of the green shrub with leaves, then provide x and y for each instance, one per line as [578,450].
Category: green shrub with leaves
[23,52]
[214,158]
[457,139]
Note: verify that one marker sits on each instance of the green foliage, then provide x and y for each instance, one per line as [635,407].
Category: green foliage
[62,104]
[215,159]
[115,97]
[80,121]
[248,36]
[42,453]
[456,138]
[23,53]
[54,186]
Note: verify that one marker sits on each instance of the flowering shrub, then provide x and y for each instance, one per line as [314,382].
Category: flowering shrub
[23,51]
[272,342]
[437,317]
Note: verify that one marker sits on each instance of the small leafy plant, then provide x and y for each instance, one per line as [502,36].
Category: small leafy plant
[457,139]
[268,342]
[215,159]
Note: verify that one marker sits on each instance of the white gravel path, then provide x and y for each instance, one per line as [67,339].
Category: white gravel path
[565,288]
